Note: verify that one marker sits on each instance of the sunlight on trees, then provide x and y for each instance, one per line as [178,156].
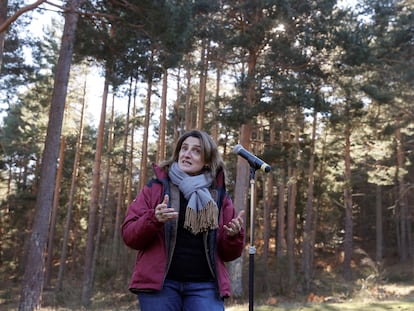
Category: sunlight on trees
[321,90]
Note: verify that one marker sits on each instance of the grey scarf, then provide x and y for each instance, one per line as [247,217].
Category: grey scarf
[201,213]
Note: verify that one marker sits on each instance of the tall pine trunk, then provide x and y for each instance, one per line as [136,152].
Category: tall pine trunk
[307,236]
[120,204]
[378,223]
[281,266]
[188,116]
[215,112]
[144,156]
[106,183]
[3,18]
[33,273]
[401,204]
[203,83]
[348,239]
[177,121]
[94,201]
[241,188]
[163,119]
[72,193]
[56,195]
[132,147]
[241,192]
[291,208]
[281,211]
[267,212]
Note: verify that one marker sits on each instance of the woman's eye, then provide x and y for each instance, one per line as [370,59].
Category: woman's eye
[194,151]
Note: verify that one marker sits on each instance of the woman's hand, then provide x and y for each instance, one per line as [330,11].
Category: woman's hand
[163,213]
[235,225]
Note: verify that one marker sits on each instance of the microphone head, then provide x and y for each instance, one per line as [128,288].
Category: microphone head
[237,149]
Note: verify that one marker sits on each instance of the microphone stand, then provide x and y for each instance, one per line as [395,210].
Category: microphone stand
[252,248]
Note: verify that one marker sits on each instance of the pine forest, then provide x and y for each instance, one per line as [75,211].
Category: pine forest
[96,92]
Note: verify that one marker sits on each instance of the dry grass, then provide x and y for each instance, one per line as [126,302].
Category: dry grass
[397,297]
[392,289]
[386,297]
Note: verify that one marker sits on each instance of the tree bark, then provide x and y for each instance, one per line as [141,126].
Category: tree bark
[215,128]
[120,205]
[348,239]
[144,157]
[307,238]
[177,120]
[281,212]
[51,239]
[104,197]
[3,17]
[401,205]
[72,193]
[131,142]
[243,172]
[378,222]
[291,208]
[33,276]
[94,202]
[188,117]
[163,119]
[240,203]
[203,83]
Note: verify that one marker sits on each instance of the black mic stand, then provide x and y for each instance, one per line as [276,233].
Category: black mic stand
[252,248]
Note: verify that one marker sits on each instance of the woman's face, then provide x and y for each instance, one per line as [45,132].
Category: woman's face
[190,159]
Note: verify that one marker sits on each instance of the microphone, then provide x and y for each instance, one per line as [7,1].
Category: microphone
[254,161]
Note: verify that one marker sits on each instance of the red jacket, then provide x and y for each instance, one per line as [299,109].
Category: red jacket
[154,241]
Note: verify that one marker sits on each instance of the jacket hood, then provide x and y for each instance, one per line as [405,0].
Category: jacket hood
[159,172]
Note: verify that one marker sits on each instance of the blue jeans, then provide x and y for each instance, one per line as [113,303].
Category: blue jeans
[182,296]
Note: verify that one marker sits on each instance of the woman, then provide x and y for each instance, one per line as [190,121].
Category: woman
[184,226]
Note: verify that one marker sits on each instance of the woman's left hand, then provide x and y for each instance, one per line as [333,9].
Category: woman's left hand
[235,225]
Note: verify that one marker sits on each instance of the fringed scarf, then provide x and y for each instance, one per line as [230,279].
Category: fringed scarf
[201,213]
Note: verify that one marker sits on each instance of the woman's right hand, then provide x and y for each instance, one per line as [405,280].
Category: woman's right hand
[235,225]
[163,213]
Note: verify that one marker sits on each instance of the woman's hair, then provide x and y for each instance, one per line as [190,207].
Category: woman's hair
[209,152]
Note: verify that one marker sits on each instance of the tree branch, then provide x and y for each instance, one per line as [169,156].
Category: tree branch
[15,16]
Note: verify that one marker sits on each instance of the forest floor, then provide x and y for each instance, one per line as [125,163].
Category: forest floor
[388,297]
[385,297]
[392,289]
